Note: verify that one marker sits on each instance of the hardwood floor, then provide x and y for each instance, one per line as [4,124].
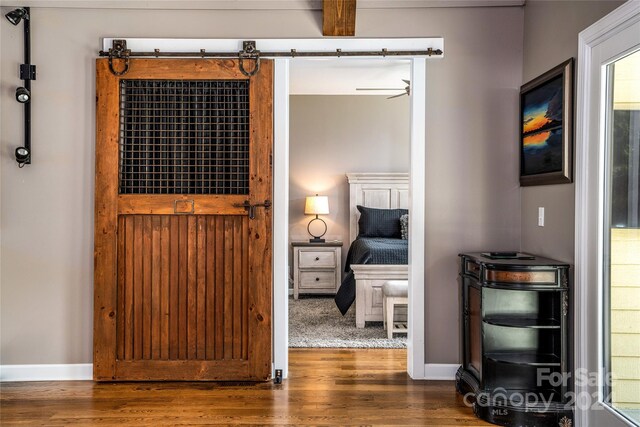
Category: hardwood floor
[325,387]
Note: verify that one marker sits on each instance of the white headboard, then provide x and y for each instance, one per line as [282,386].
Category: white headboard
[375,190]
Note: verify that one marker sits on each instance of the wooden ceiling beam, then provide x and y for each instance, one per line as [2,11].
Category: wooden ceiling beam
[339,17]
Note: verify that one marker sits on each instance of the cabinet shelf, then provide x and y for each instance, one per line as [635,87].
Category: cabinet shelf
[518,321]
[524,358]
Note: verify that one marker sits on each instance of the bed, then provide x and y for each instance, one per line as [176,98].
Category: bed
[373,261]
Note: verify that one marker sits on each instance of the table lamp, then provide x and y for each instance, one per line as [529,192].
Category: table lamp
[316,205]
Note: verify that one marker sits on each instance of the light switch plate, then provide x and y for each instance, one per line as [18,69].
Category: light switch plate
[540,217]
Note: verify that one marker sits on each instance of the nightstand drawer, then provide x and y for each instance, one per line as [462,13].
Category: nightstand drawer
[318,280]
[317,259]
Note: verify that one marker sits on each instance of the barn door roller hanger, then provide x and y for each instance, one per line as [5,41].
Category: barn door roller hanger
[249,52]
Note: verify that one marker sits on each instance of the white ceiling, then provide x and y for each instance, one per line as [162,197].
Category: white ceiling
[253,4]
[341,76]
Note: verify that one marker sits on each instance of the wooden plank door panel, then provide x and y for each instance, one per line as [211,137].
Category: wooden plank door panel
[146,267]
[182,284]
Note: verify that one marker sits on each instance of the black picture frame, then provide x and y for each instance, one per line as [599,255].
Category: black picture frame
[546,127]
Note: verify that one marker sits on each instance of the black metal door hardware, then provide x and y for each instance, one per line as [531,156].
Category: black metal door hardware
[249,52]
[252,208]
[278,378]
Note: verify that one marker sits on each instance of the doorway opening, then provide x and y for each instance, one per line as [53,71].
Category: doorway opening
[349,138]
[415,272]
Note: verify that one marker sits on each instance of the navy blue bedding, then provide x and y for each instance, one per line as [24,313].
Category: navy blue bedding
[369,250]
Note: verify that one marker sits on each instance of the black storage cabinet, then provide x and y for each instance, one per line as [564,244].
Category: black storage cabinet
[515,340]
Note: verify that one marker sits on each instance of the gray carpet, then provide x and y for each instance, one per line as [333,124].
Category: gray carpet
[316,322]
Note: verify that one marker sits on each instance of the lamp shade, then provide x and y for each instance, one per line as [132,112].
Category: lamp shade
[316,205]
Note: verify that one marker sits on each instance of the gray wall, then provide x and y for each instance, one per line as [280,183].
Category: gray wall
[472,194]
[46,213]
[333,135]
[550,37]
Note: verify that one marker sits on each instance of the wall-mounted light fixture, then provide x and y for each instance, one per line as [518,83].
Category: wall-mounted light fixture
[23,95]
[316,205]
[27,73]
[15,16]
[23,155]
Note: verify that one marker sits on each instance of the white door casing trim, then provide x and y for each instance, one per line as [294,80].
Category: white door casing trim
[416,335]
[589,172]
[281,216]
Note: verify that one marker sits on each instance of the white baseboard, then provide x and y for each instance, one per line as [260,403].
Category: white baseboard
[84,371]
[79,371]
[440,371]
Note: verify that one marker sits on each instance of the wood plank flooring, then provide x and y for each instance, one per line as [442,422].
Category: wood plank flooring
[325,387]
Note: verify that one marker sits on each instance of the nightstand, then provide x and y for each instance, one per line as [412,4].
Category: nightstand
[316,267]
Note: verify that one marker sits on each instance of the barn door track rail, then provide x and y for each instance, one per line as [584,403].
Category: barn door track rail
[249,52]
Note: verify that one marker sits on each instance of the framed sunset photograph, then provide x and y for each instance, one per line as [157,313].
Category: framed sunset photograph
[546,127]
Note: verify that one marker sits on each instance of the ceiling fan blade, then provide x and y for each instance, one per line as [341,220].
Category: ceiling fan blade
[379,88]
[407,81]
[397,96]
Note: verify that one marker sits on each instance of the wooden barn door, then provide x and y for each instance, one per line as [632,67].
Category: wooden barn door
[182,267]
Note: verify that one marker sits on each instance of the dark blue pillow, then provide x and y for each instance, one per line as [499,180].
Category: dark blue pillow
[380,222]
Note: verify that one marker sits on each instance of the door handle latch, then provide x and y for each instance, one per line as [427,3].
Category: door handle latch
[251,209]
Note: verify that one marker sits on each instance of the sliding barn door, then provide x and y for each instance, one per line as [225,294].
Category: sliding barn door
[182,234]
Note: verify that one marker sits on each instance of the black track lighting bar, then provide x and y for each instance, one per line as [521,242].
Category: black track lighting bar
[27,73]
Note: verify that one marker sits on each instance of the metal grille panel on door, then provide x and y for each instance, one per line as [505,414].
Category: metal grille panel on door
[184,137]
